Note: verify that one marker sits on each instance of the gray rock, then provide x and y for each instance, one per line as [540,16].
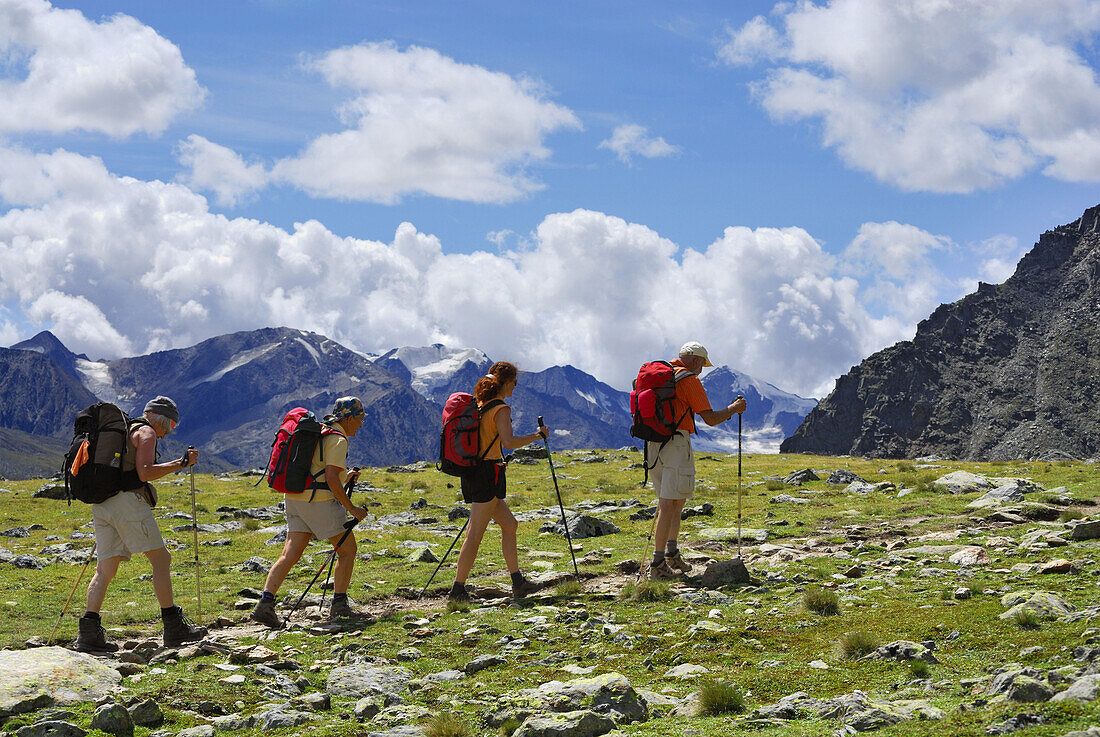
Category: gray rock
[203,730]
[1043,603]
[317,701]
[706,509]
[1014,724]
[51,491]
[1086,688]
[217,528]
[800,477]
[357,681]
[255,564]
[113,719]
[903,650]
[51,728]
[610,693]
[859,487]
[1090,732]
[1085,530]
[16,532]
[409,654]
[1028,690]
[482,662]
[28,561]
[369,706]
[283,718]
[581,526]
[405,730]
[1007,494]
[278,538]
[399,714]
[725,573]
[6,556]
[422,555]
[788,499]
[962,482]
[843,476]
[38,677]
[458,513]
[580,723]
[147,714]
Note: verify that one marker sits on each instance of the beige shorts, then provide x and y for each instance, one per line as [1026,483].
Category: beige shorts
[324,519]
[125,526]
[673,473]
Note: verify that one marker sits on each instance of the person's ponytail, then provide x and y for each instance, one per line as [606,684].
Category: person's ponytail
[489,386]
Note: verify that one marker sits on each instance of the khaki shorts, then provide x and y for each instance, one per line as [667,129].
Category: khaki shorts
[324,519]
[124,526]
[673,473]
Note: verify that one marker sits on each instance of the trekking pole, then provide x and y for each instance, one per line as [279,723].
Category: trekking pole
[348,527]
[68,601]
[561,506]
[739,483]
[195,529]
[453,542]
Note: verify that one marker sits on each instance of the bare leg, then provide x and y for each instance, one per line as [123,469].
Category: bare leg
[507,521]
[161,561]
[345,561]
[668,522]
[296,543]
[105,570]
[480,514]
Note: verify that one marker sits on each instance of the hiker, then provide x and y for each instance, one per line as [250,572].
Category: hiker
[321,514]
[673,471]
[124,526]
[484,489]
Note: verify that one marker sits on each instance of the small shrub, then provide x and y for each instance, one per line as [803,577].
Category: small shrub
[721,697]
[251,525]
[1026,619]
[821,601]
[418,485]
[446,725]
[775,485]
[857,644]
[457,606]
[919,669]
[1071,514]
[905,467]
[569,588]
[646,590]
[510,725]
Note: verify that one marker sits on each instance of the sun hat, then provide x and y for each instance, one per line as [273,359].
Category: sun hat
[695,348]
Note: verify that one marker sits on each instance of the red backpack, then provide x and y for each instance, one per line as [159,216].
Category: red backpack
[651,406]
[292,451]
[458,441]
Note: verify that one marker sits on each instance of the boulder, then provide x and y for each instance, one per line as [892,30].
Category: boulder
[610,694]
[1028,690]
[405,730]
[1007,494]
[859,487]
[50,728]
[903,650]
[580,723]
[113,719]
[730,533]
[203,730]
[962,482]
[147,714]
[15,532]
[35,678]
[788,499]
[1043,603]
[357,681]
[1085,688]
[844,476]
[725,573]
[970,556]
[255,564]
[51,491]
[422,555]
[581,526]
[686,670]
[1085,530]
[482,662]
[1058,565]
[800,477]
[283,718]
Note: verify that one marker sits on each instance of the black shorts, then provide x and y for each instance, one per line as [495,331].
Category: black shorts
[485,483]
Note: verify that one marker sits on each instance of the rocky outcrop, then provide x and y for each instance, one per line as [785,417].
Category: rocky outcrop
[1009,371]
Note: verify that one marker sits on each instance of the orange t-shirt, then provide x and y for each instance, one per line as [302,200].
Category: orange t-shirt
[691,399]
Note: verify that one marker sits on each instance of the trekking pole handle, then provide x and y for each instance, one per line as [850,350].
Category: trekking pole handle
[540,421]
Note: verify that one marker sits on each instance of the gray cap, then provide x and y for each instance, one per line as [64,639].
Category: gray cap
[165,407]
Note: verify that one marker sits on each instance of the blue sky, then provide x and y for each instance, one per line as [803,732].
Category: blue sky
[567,172]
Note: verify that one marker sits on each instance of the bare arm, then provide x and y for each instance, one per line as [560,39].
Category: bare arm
[713,417]
[145,440]
[504,429]
[332,477]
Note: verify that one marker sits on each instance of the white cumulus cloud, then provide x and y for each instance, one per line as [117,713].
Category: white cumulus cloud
[117,265]
[423,123]
[64,72]
[936,96]
[631,140]
[214,168]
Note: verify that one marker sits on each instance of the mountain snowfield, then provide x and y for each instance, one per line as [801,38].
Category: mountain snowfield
[233,390]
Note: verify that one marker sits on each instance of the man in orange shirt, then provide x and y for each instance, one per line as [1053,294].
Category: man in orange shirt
[673,471]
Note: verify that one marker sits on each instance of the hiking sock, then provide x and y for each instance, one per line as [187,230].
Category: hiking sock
[166,612]
[517,578]
[658,557]
[340,597]
[267,596]
[92,615]
[671,548]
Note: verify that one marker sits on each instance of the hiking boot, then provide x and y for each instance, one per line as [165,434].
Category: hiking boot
[523,589]
[662,570]
[458,593]
[677,562]
[92,638]
[178,629]
[340,609]
[264,613]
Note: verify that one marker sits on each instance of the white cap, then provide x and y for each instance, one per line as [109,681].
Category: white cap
[695,348]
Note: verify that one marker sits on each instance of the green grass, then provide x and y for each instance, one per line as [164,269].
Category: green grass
[1027,619]
[447,724]
[859,643]
[646,590]
[510,725]
[821,601]
[919,669]
[569,588]
[721,697]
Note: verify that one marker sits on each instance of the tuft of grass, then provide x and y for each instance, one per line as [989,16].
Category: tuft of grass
[857,644]
[721,697]
[646,590]
[569,588]
[510,725]
[1071,514]
[457,606]
[905,467]
[775,485]
[1026,619]
[821,601]
[418,485]
[446,724]
[919,669]
[251,525]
